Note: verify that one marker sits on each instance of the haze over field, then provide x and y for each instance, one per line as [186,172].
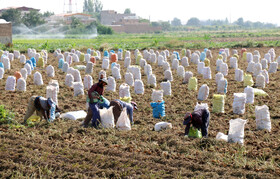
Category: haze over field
[167,10]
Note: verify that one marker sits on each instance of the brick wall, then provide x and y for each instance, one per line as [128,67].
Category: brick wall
[6,33]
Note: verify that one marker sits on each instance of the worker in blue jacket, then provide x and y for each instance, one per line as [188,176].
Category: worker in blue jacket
[118,107]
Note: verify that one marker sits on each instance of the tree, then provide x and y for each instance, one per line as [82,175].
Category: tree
[75,22]
[12,15]
[193,22]
[92,7]
[98,6]
[226,21]
[85,8]
[176,22]
[240,21]
[33,18]
[127,11]
[165,25]
[155,24]
[48,14]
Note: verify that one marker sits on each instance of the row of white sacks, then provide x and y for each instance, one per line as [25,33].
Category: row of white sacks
[236,126]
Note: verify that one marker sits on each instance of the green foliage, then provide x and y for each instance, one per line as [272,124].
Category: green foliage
[75,22]
[176,22]
[6,117]
[163,40]
[85,7]
[144,20]
[92,7]
[207,37]
[47,14]
[127,11]
[33,19]
[193,22]
[12,15]
[101,29]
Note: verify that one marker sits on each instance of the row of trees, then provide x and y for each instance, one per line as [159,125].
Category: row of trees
[31,19]
[240,22]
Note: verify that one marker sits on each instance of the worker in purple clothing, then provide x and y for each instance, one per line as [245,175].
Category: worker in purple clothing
[199,119]
[94,95]
[118,107]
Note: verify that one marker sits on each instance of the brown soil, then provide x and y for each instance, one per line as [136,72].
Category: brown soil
[63,149]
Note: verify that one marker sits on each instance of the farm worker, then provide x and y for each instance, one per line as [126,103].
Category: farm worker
[199,119]
[44,108]
[118,106]
[95,96]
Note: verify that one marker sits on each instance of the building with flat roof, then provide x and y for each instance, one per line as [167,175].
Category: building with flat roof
[22,9]
[67,18]
[5,32]
[127,23]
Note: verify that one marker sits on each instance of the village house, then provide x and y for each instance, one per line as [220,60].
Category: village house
[126,23]
[5,32]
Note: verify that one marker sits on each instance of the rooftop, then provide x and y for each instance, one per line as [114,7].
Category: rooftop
[22,8]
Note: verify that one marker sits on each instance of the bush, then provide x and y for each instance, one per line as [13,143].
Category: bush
[6,117]
[101,29]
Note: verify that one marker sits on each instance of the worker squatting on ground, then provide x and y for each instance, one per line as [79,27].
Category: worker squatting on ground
[118,107]
[44,108]
[95,102]
[199,119]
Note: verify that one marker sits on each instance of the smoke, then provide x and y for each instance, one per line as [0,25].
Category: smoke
[50,31]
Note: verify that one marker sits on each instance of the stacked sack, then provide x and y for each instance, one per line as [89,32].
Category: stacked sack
[222,86]
[152,81]
[89,68]
[23,72]
[69,80]
[157,95]
[78,88]
[38,80]
[236,131]
[116,73]
[250,95]
[181,71]
[1,72]
[192,85]
[207,73]
[239,103]
[260,81]
[111,84]
[185,61]
[263,118]
[218,103]
[168,75]
[166,87]
[138,87]
[158,109]
[124,92]
[88,82]
[239,75]
[129,79]
[10,83]
[147,70]
[21,84]
[188,75]
[203,92]
[52,93]
[50,71]
[248,80]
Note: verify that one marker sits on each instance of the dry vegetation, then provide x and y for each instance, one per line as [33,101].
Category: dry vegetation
[63,149]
